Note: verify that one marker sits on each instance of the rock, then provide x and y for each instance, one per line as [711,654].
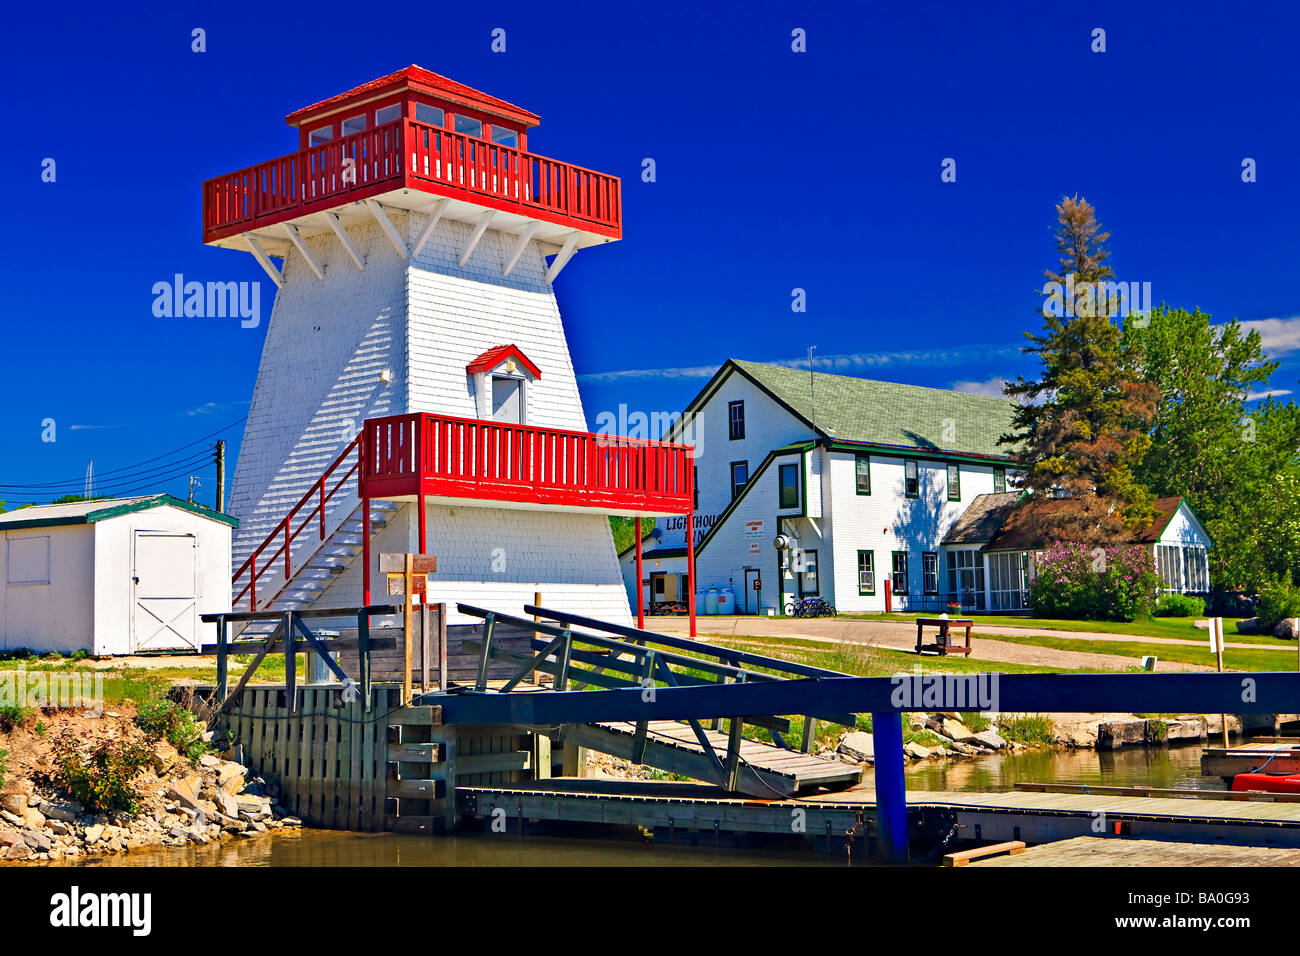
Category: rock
[1249,626]
[986,738]
[949,727]
[185,793]
[208,760]
[65,811]
[1186,728]
[14,818]
[966,750]
[93,833]
[19,851]
[10,837]
[164,757]
[1119,733]
[56,826]
[34,818]
[916,750]
[291,822]
[57,854]
[14,803]
[1283,630]
[858,746]
[37,840]
[230,777]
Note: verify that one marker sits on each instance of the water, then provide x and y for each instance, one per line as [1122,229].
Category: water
[1159,767]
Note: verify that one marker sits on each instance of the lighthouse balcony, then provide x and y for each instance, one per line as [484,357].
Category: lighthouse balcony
[409,165]
[473,461]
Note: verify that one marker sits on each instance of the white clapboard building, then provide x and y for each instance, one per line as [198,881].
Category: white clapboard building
[885,495]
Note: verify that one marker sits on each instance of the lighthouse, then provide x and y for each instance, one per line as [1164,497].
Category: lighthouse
[415,391]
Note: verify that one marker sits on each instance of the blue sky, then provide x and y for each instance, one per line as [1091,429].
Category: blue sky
[776,170]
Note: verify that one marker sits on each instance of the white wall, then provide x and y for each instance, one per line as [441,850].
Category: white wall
[58,616]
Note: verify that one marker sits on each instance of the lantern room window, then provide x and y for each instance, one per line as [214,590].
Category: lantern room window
[506,137]
[470,127]
[354,124]
[424,113]
[388,114]
[322,135]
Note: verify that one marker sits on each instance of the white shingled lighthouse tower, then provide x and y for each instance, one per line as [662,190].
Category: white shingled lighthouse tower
[416,380]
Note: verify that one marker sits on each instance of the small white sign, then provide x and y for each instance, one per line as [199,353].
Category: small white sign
[1216,634]
[754,529]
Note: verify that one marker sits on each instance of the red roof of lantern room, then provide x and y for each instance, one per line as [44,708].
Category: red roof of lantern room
[498,354]
[419,79]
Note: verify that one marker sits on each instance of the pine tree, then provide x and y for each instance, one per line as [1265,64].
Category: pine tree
[1080,428]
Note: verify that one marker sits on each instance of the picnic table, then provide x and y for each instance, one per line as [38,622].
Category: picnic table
[945,644]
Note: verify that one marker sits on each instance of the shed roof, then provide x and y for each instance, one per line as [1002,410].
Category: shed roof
[88,512]
[982,518]
[1022,527]
[886,414]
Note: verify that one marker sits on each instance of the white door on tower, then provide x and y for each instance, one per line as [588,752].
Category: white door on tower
[508,400]
[164,589]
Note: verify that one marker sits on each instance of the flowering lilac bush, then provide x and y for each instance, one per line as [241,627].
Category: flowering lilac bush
[1103,584]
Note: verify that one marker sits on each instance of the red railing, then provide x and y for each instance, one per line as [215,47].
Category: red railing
[478,459]
[285,532]
[407,153]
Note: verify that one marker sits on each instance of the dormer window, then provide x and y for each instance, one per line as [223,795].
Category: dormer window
[318,136]
[468,126]
[354,124]
[499,381]
[388,114]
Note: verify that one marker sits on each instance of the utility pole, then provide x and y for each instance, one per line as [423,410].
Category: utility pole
[812,389]
[194,481]
[90,479]
[221,477]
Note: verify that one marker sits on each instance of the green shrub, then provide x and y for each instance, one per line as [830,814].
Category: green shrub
[4,766]
[162,718]
[12,716]
[101,781]
[1278,600]
[1032,730]
[1180,605]
[1103,584]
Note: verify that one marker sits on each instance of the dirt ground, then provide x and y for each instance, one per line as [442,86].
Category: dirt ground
[901,635]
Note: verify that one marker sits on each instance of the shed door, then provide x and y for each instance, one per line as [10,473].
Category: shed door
[164,607]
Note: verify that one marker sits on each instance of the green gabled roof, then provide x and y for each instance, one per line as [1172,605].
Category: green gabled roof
[851,409]
[88,512]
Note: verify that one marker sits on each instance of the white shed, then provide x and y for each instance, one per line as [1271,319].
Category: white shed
[113,576]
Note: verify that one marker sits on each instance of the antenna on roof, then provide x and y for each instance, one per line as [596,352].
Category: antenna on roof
[812,389]
[90,479]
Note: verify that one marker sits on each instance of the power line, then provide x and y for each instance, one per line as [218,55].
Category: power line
[75,483]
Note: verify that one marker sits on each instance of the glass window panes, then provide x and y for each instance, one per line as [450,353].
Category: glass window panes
[999,480]
[424,113]
[354,124]
[789,486]
[954,482]
[470,127]
[739,477]
[930,572]
[866,573]
[1008,581]
[966,578]
[900,572]
[735,420]
[506,137]
[863,468]
[913,487]
[322,135]
[388,114]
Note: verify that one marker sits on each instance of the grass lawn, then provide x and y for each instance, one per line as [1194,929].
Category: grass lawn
[1235,659]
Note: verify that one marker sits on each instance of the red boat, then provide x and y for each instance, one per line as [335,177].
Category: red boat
[1282,782]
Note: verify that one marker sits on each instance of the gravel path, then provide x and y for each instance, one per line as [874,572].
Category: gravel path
[901,635]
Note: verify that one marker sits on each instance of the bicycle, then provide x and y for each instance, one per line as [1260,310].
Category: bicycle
[810,607]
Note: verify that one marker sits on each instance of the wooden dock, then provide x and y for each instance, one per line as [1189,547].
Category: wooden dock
[1100,851]
[767,771]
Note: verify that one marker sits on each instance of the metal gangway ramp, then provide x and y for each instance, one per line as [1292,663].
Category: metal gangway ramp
[578,653]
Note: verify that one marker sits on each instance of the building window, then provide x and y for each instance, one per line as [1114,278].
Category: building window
[354,124]
[966,578]
[866,572]
[506,137]
[318,136]
[954,482]
[1009,581]
[388,114]
[911,483]
[735,420]
[739,477]
[470,127]
[999,480]
[424,113]
[862,466]
[900,572]
[789,486]
[507,400]
[695,485]
[930,572]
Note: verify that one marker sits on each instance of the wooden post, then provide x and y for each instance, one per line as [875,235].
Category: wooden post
[485,655]
[222,662]
[891,791]
[221,476]
[537,635]
[408,587]
[442,646]
[426,625]
[365,551]
[1216,627]
[640,588]
[290,662]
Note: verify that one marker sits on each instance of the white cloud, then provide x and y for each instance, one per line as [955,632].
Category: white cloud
[838,364]
[991,386]
[1277,336]
[1271,393]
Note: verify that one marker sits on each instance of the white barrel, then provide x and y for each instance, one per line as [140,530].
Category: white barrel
[711,601]
[726,601]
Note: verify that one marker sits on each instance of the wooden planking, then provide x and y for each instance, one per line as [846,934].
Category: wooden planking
[1285,814]
[966,857]
[1102,851]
